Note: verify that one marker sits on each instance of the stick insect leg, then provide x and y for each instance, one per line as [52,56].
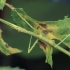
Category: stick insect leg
[63,39]
[30,48]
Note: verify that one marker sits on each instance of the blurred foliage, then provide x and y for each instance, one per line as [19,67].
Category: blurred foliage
[10,68]
[2,3]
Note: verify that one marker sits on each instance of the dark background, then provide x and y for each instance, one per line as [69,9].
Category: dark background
[42,10]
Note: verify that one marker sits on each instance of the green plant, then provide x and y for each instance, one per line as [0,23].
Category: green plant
[10,68]
[44,31]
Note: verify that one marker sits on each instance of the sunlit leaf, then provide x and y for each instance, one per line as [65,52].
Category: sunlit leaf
[2,3]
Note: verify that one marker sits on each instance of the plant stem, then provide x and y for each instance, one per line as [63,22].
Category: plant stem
[20,29]
[10,6]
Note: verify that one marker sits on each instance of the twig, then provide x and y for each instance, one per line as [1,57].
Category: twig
[20,29]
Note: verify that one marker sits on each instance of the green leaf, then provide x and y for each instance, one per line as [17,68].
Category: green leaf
[49,29]
[22,19]
[60,29]
[5,48]
[2,4]
[48,50]
[18,16]
[10,68]
[48,54]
